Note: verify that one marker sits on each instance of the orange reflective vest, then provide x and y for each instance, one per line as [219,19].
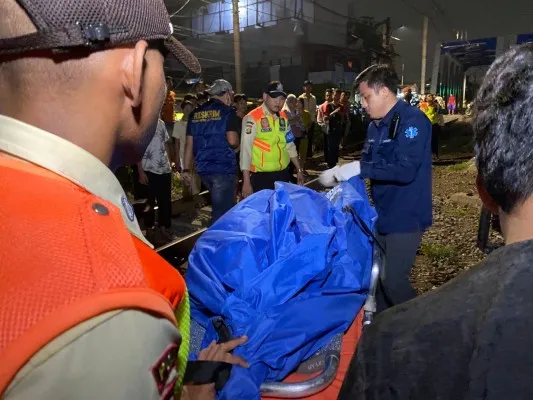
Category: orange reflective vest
[269,151]
[64,263]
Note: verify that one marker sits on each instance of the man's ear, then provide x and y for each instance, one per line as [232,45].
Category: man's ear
[485,196]
[133,73]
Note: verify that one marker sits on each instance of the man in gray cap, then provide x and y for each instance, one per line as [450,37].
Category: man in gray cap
[88,308]
[211,141]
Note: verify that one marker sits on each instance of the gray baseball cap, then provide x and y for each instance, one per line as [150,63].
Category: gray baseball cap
[220,86]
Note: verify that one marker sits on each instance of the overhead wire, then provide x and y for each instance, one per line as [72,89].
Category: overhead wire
[180,9]
[202,35]
[423,14]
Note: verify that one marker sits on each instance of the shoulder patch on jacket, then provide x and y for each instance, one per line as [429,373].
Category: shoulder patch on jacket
[411,132]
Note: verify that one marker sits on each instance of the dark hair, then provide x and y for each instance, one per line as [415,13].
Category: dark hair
[186,103]
[240,96]
[503,123]
[189,97]
[378,76]
[202,96]
[302,101]
[329,91]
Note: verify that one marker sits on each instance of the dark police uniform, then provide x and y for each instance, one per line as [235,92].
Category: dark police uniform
[214,158]
[397,160]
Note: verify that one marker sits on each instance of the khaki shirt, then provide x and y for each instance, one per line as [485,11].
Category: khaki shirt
[309,104]
[248,134]
[106,357]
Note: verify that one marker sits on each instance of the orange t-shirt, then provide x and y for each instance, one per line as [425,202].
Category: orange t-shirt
[167,112]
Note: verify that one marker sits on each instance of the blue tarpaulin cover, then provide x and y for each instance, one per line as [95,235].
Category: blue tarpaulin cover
[289,269]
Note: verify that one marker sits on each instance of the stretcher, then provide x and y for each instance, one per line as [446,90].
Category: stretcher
[321,375]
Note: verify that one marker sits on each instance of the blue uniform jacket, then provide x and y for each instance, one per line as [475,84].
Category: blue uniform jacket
[208,126]
[400,170]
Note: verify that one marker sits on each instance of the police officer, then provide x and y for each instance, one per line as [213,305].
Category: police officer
[397,160]
[268,144]
[212,137]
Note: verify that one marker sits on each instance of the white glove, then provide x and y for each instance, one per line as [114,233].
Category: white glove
[339,174]
[327,178]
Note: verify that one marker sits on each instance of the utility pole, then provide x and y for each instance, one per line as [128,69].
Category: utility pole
[424,56]
[237,46]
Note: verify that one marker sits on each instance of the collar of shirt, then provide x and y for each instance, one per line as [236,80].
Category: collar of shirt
[68,160]
[212,101]
[266,111]
[388,118]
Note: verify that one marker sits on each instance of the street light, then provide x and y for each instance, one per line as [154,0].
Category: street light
[401,28]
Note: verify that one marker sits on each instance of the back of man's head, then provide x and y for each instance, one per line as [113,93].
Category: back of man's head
[221,90]
[64,63]
[24,78]
[503,127]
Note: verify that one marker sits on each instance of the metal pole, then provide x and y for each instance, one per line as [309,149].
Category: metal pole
[424,56]
[237,46]
[464,90]
[403,69]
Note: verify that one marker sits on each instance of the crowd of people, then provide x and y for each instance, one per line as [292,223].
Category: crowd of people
[267,144]
[435,107]
[90,311]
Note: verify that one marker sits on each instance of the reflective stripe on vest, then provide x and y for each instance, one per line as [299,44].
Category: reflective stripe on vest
[269,151]
[63,263]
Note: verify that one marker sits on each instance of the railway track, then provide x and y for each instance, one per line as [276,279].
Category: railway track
[177,252]
[191,218]
[192,215]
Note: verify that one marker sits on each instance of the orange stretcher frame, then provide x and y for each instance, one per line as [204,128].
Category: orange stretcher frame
[349,344]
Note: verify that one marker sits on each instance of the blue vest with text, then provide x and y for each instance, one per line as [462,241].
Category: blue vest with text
[212,153]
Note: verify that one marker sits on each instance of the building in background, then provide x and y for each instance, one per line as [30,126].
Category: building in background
[459,66]
[287,40]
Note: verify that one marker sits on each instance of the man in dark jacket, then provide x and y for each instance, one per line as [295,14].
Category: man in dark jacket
[471,338]
[212,137]
[397,160]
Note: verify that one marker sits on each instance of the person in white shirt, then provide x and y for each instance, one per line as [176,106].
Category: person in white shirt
[179,134]
[310,106]
[155,171]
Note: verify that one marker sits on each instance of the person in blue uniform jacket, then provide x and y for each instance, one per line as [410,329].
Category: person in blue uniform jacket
[212,138]
[396,159]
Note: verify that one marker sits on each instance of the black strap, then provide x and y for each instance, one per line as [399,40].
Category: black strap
[68,36]
[205,372]
[364,226]
[223,332]
[393,128]
[73,35]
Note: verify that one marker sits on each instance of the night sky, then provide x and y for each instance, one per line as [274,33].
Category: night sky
[481,18]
